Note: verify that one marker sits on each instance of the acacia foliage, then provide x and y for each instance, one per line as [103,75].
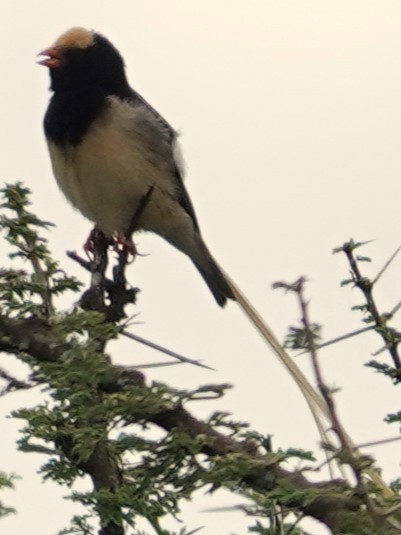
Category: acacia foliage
[96,419]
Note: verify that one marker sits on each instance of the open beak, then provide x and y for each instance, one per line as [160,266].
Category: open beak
[53,59]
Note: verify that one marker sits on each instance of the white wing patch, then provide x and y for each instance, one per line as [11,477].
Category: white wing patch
[178,157]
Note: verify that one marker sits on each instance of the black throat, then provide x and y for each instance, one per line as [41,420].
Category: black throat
[70,115]
[81,85]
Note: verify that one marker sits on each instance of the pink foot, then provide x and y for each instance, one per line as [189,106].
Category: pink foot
[123,243]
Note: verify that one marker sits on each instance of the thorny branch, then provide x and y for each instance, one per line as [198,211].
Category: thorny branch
[335,503]
[120,295]
[353,457]
[117,291]
[366,286]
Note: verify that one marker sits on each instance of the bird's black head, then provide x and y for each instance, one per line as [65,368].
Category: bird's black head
[82,60]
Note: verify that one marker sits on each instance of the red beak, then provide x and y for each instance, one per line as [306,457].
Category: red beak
[53,59]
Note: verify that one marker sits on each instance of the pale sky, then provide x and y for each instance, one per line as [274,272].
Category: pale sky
[290,118]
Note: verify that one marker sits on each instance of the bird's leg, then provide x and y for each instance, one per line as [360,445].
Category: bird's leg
[123,242]
[139,211]
[124,239]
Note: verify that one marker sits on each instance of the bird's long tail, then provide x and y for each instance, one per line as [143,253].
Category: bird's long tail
[223,288]
[317,404]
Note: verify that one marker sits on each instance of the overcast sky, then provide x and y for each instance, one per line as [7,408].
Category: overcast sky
[290,118]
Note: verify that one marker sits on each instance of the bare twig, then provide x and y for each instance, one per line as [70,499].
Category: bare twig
[359,446]
[379,442]
[395,309]
[386,265]
[340,338]
[157,365]
[165,350]
[353,455]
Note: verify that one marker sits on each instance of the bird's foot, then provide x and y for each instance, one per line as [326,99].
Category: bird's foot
[124,243]
[120,242]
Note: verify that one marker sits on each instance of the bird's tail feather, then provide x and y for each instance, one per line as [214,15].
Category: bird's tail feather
[317,404]
[215,279]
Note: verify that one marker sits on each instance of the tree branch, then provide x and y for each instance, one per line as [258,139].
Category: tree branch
[334,503]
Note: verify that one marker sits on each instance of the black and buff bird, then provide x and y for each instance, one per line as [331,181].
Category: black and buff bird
[109,148]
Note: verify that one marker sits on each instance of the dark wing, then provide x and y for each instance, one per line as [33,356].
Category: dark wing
[138,99]
[172,139]
[184,199]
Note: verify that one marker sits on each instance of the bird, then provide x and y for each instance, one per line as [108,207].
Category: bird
[109,148]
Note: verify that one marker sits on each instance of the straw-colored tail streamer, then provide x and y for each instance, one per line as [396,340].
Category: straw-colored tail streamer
[315,401]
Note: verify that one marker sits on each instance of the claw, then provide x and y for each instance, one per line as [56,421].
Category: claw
[124,243]
[120,243]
